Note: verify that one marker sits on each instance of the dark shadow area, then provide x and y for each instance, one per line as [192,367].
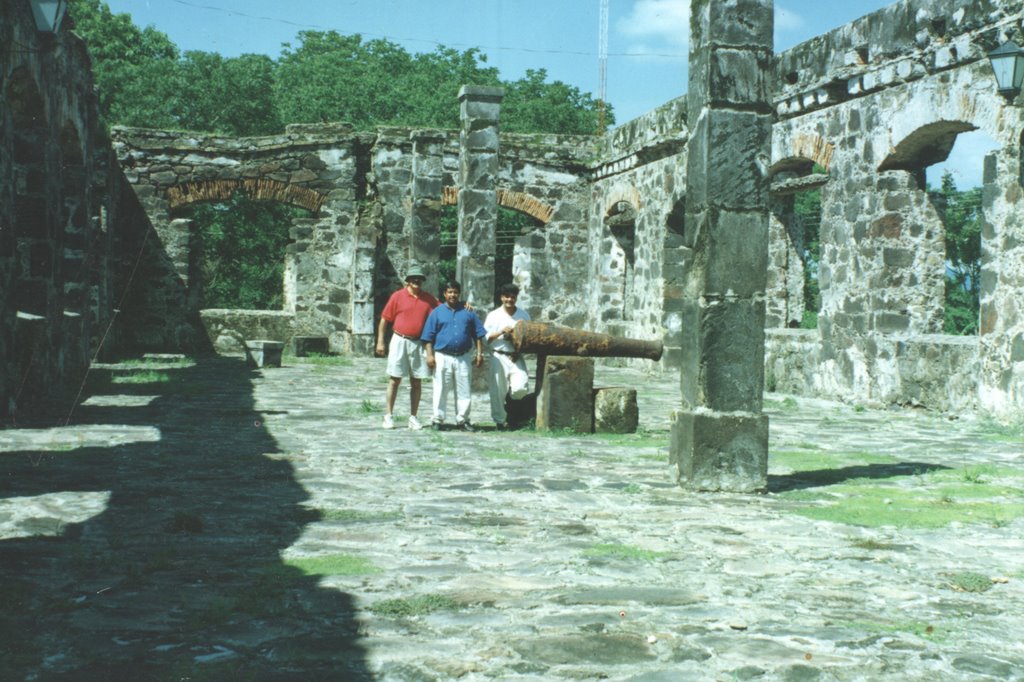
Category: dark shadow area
[180,575]
[800,480]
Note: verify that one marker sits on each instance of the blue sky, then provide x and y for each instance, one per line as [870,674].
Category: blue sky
[647,39]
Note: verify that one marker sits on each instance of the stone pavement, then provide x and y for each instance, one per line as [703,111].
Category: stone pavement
[206,521]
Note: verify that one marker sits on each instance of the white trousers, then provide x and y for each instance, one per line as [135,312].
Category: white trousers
[452,374]
[506,377]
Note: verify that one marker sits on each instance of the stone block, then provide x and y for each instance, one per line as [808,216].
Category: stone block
[615,410]
[263,353]
[739,22]
[566,398]
[737,253]
[307,345]
[720,452]
[739,77]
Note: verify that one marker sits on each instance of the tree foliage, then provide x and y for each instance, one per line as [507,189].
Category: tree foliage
[807,215]
[962,218]
[243,245]
[144,80]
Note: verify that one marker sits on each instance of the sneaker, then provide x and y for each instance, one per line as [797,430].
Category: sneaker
[389,422]
[414,423]
[466,426]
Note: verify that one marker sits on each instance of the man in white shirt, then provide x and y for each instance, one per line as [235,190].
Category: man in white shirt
[507,371]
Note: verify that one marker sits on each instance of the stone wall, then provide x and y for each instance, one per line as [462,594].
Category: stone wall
[57,260]
[876,102]
[228,330]
[872,103]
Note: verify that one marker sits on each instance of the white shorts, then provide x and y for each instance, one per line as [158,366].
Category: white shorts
[407,358]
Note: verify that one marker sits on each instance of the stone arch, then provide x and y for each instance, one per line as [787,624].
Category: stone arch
[804,150]
[517,201]
[619,252]
[923,147]
[262,189]
[629,194]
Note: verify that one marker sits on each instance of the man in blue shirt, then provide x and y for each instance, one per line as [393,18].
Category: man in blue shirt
[449,335]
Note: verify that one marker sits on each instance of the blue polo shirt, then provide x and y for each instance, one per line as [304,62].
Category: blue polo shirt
[452,331]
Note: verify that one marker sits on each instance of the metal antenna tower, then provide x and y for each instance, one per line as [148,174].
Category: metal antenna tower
[602,66]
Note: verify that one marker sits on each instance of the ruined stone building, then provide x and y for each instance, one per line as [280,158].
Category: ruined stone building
[92,231]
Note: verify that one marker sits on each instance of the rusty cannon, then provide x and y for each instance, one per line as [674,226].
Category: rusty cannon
[566,397]
[542,338]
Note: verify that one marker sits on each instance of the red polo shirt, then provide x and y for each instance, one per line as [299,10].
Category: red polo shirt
[408,313]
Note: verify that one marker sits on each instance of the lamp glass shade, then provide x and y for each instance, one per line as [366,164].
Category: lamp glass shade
[48,14]
[1008,66]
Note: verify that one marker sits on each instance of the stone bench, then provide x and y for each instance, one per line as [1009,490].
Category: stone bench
[615,410]
[263,353]
[304,346]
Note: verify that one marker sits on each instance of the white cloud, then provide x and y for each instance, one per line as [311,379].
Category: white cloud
[657,22]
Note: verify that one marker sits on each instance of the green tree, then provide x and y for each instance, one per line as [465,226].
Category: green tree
[243,247]
[232,96]
[532,105]
[134,69]
[962,218]
[807,216]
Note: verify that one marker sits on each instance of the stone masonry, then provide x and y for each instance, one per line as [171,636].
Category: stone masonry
[859,113]
[720,437]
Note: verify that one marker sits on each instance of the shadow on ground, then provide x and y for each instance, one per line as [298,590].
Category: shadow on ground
[179,576]
[800,480]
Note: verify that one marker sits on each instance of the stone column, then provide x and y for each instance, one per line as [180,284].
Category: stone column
[427,182]
[1001,338]
[478,193]
[720,436]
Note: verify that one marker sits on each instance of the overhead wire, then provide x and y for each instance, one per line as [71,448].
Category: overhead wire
[528,50]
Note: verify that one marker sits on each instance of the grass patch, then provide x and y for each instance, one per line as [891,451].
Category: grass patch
[504,454]
[318,359]
[801,460]
[420,467]
[1007,433]
[148,361]
[357,516]
[913,627]
[865,502]
[616,551]
[875,545]
[368,406]
[333,564]
[969,581]
[414,606]
[148,376]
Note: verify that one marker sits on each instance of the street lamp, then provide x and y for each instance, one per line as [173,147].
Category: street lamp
[48,14]
[1008,65]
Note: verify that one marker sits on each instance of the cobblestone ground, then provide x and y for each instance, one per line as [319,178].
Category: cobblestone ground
[199,520]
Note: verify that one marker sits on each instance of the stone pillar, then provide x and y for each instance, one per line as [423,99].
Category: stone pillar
[478,193]
[720,436]
[427,183]
[1001,338]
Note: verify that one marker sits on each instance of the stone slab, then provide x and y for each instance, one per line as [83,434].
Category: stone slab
[615,410]
[720,452]
[263,353]
[566,399]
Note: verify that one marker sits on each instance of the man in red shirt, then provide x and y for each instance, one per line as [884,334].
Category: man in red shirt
[406,311]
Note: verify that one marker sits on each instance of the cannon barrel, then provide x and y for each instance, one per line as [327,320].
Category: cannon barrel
[548,339]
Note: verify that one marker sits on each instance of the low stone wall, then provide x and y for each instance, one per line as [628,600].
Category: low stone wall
[936,371]
[229,329]
[790,360]
[939,371]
